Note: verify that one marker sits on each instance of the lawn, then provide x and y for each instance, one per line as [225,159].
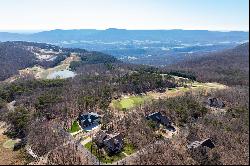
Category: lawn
[127,103]
[74,127]
[182,89]
[104,158]
[128,149]
[131,102]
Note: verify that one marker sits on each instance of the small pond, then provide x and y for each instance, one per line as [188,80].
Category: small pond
[61,74]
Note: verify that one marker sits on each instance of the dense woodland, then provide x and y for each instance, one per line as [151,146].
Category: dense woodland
[45,109]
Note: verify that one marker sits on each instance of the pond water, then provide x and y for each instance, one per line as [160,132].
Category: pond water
[61,74]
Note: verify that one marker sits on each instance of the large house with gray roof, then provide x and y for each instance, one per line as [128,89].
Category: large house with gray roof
[88,119]
[112,143]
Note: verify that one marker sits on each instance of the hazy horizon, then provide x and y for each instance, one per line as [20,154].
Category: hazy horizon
[213,15]
[43,30]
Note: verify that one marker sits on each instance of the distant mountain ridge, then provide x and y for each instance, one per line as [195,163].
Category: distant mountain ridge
[150,47]
[113,34]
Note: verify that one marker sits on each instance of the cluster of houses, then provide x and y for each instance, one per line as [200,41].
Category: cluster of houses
[112,143]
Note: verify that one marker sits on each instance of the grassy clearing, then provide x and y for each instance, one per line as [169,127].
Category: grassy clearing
[10,144]
[182,89]
[135,101]
[128,149]
[104,158]
[209,85]
[130,102]
[74,127]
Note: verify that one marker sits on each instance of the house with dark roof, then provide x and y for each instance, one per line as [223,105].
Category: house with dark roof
[215,102]
[112,143]
[205,143]
[88,119]
[161,119]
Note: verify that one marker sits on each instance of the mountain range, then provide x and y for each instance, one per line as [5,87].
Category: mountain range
[150,47]
[113,34]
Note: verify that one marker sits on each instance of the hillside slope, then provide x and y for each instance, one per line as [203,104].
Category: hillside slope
[230,67]
[15,56]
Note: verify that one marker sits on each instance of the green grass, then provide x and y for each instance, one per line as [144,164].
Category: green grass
[184,89]
[10,144]
[128,149]
[124,104]
[75,127]
[131,102]
[104,158]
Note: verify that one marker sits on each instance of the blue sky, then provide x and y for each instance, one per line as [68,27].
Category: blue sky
[127,14]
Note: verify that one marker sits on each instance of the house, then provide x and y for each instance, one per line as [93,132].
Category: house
[88,119]
[214,102]
[205,143]
[208,143]
[159,119]
[99,138]
[112,143]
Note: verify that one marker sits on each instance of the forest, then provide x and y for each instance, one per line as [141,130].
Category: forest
[229,67]
[45,109]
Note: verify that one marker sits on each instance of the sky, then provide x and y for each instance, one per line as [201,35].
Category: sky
[37,15]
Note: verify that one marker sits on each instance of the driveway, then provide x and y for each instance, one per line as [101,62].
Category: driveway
[87,140]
